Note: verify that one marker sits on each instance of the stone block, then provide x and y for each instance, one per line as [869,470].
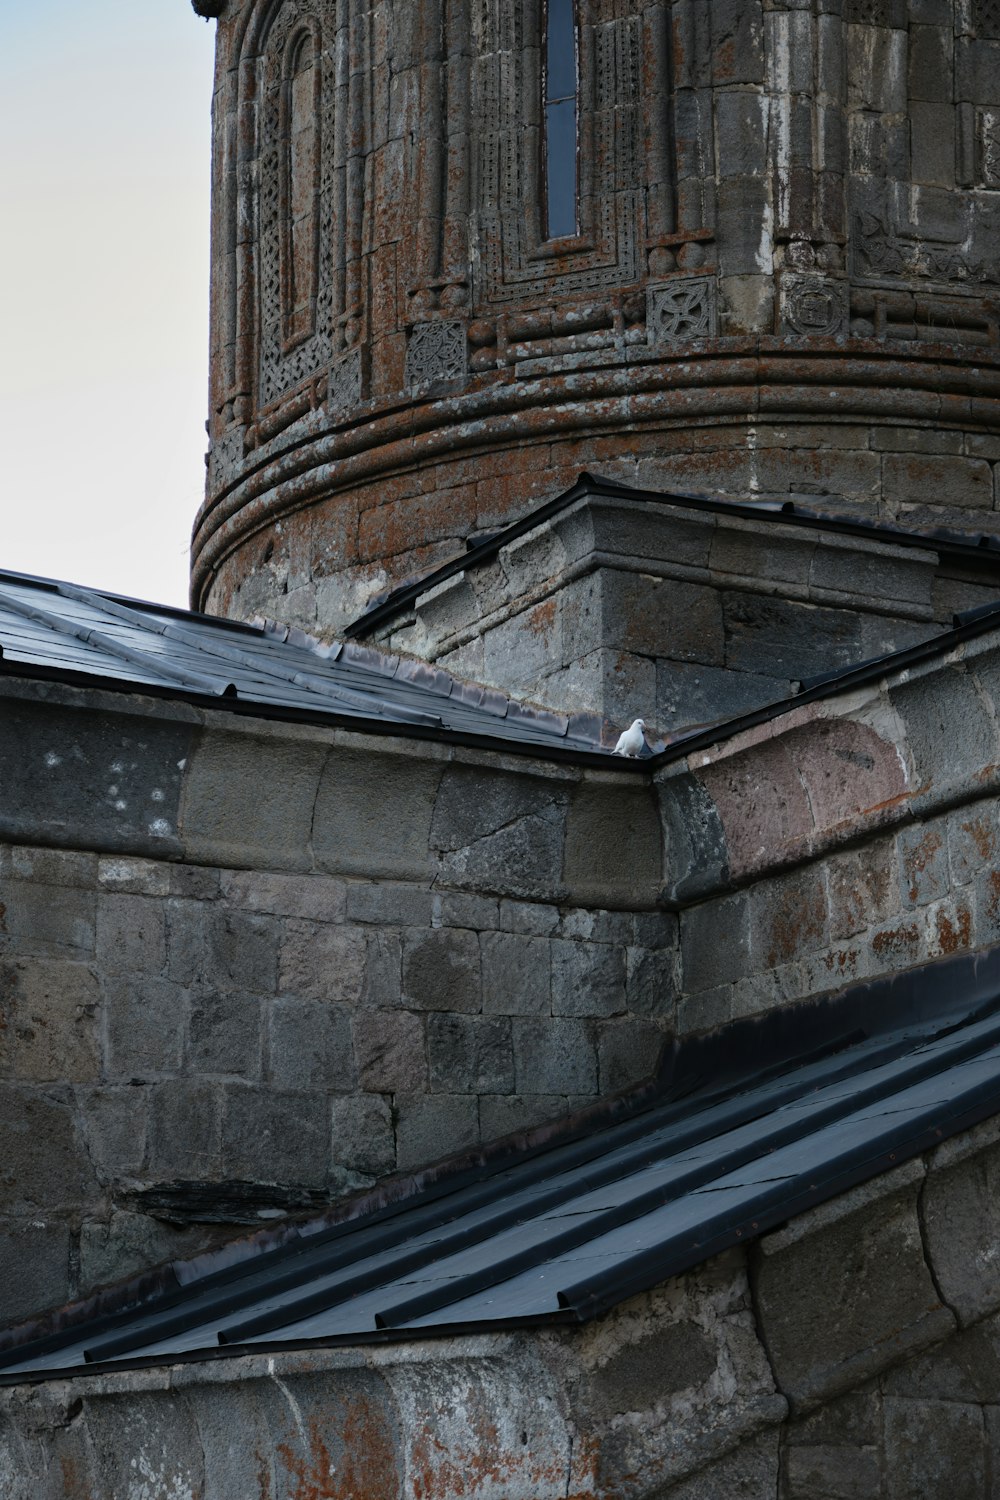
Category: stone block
[119,789]
[837,1306]
[363,1138]
[454,909]
[239,950]
[508,1114]
[44,1166]
[934,1448]
[588,979]
[388,902]
[34,1269]
[373,813]
[742,133]
[383,969]
[949,732]
[390,1051]
[516,975]
[613,837]
[115,1126]
[523,859]
[628,1052]
[144,1025]
[650,983]
[527,918]
[748,1472]
[125,1243]
[932,157]
[225,1033]
[316,898]
[49,1017]
[862,889]
[317,961]
[554,1057]
[310,1045]
[131,935]
[474,803]
[962,1223]
[272,1137]
[787,639]
[972,841]
[429,1127]
[66,867]
[185,1131]
[788,918]
[47,921]
[470,1054]
[715,943]
[830,1472]
[221,825]
[841,565]
[441,970]
[662,617]
[696,854]
[923,479]
[687,695]
[133,877]
[705,1010]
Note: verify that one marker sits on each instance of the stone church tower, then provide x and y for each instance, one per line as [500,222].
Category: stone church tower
[464,249]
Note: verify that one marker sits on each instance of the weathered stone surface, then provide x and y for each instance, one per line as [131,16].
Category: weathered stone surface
[363,1136]
[962,1222]
[612,848]
[839,1305]
[321,962]
[430,1126]
[554,1057]
[934,1447]
[441,971]
[43,1164]
[144,1025]
[831,1472]
[373,814]
[588,979]
[309,1045]
[391,1051]
[49,1011]
[516,975]
[34,1268]
[274,1137]
[470,1054]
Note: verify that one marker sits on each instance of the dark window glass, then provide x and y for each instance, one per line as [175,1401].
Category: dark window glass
[560,118]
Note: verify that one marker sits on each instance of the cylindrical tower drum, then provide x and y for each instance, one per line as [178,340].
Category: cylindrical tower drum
[464,249]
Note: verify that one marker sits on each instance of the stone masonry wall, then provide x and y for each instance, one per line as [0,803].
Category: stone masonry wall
[845,840]
[851,1354]
[383,953]
[632,607]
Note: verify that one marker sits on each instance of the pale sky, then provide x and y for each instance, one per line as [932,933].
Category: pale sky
[104,204]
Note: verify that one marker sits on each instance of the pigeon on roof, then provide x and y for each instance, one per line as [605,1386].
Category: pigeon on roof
[631,742]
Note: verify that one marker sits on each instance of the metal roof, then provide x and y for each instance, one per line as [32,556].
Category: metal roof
[57,629]
[750,1126]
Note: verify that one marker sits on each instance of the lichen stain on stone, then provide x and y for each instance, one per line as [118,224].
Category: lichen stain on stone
[978,830]
[367,1468]
[896,940]
[916,860]
[952,936]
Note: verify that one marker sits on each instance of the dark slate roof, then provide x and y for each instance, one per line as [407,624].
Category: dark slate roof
[748,1127]
[53,629]
[981,549]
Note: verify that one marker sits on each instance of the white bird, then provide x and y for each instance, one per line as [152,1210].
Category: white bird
[632,741]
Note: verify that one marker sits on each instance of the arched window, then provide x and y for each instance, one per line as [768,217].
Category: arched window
[560,136]
[300,187]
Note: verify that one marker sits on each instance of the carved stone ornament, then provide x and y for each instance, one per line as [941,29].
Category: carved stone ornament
[869,13]
[436,351]
[344,388]
[684,309]
[813,306]
[986,19]
[989,147]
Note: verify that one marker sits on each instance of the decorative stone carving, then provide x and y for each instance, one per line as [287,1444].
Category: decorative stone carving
[986,18]
[869,12]
[685,308]
[289,354]
[516,259]
[436,351]
[344,388]
[879,253]
[813,306]
[989,147]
